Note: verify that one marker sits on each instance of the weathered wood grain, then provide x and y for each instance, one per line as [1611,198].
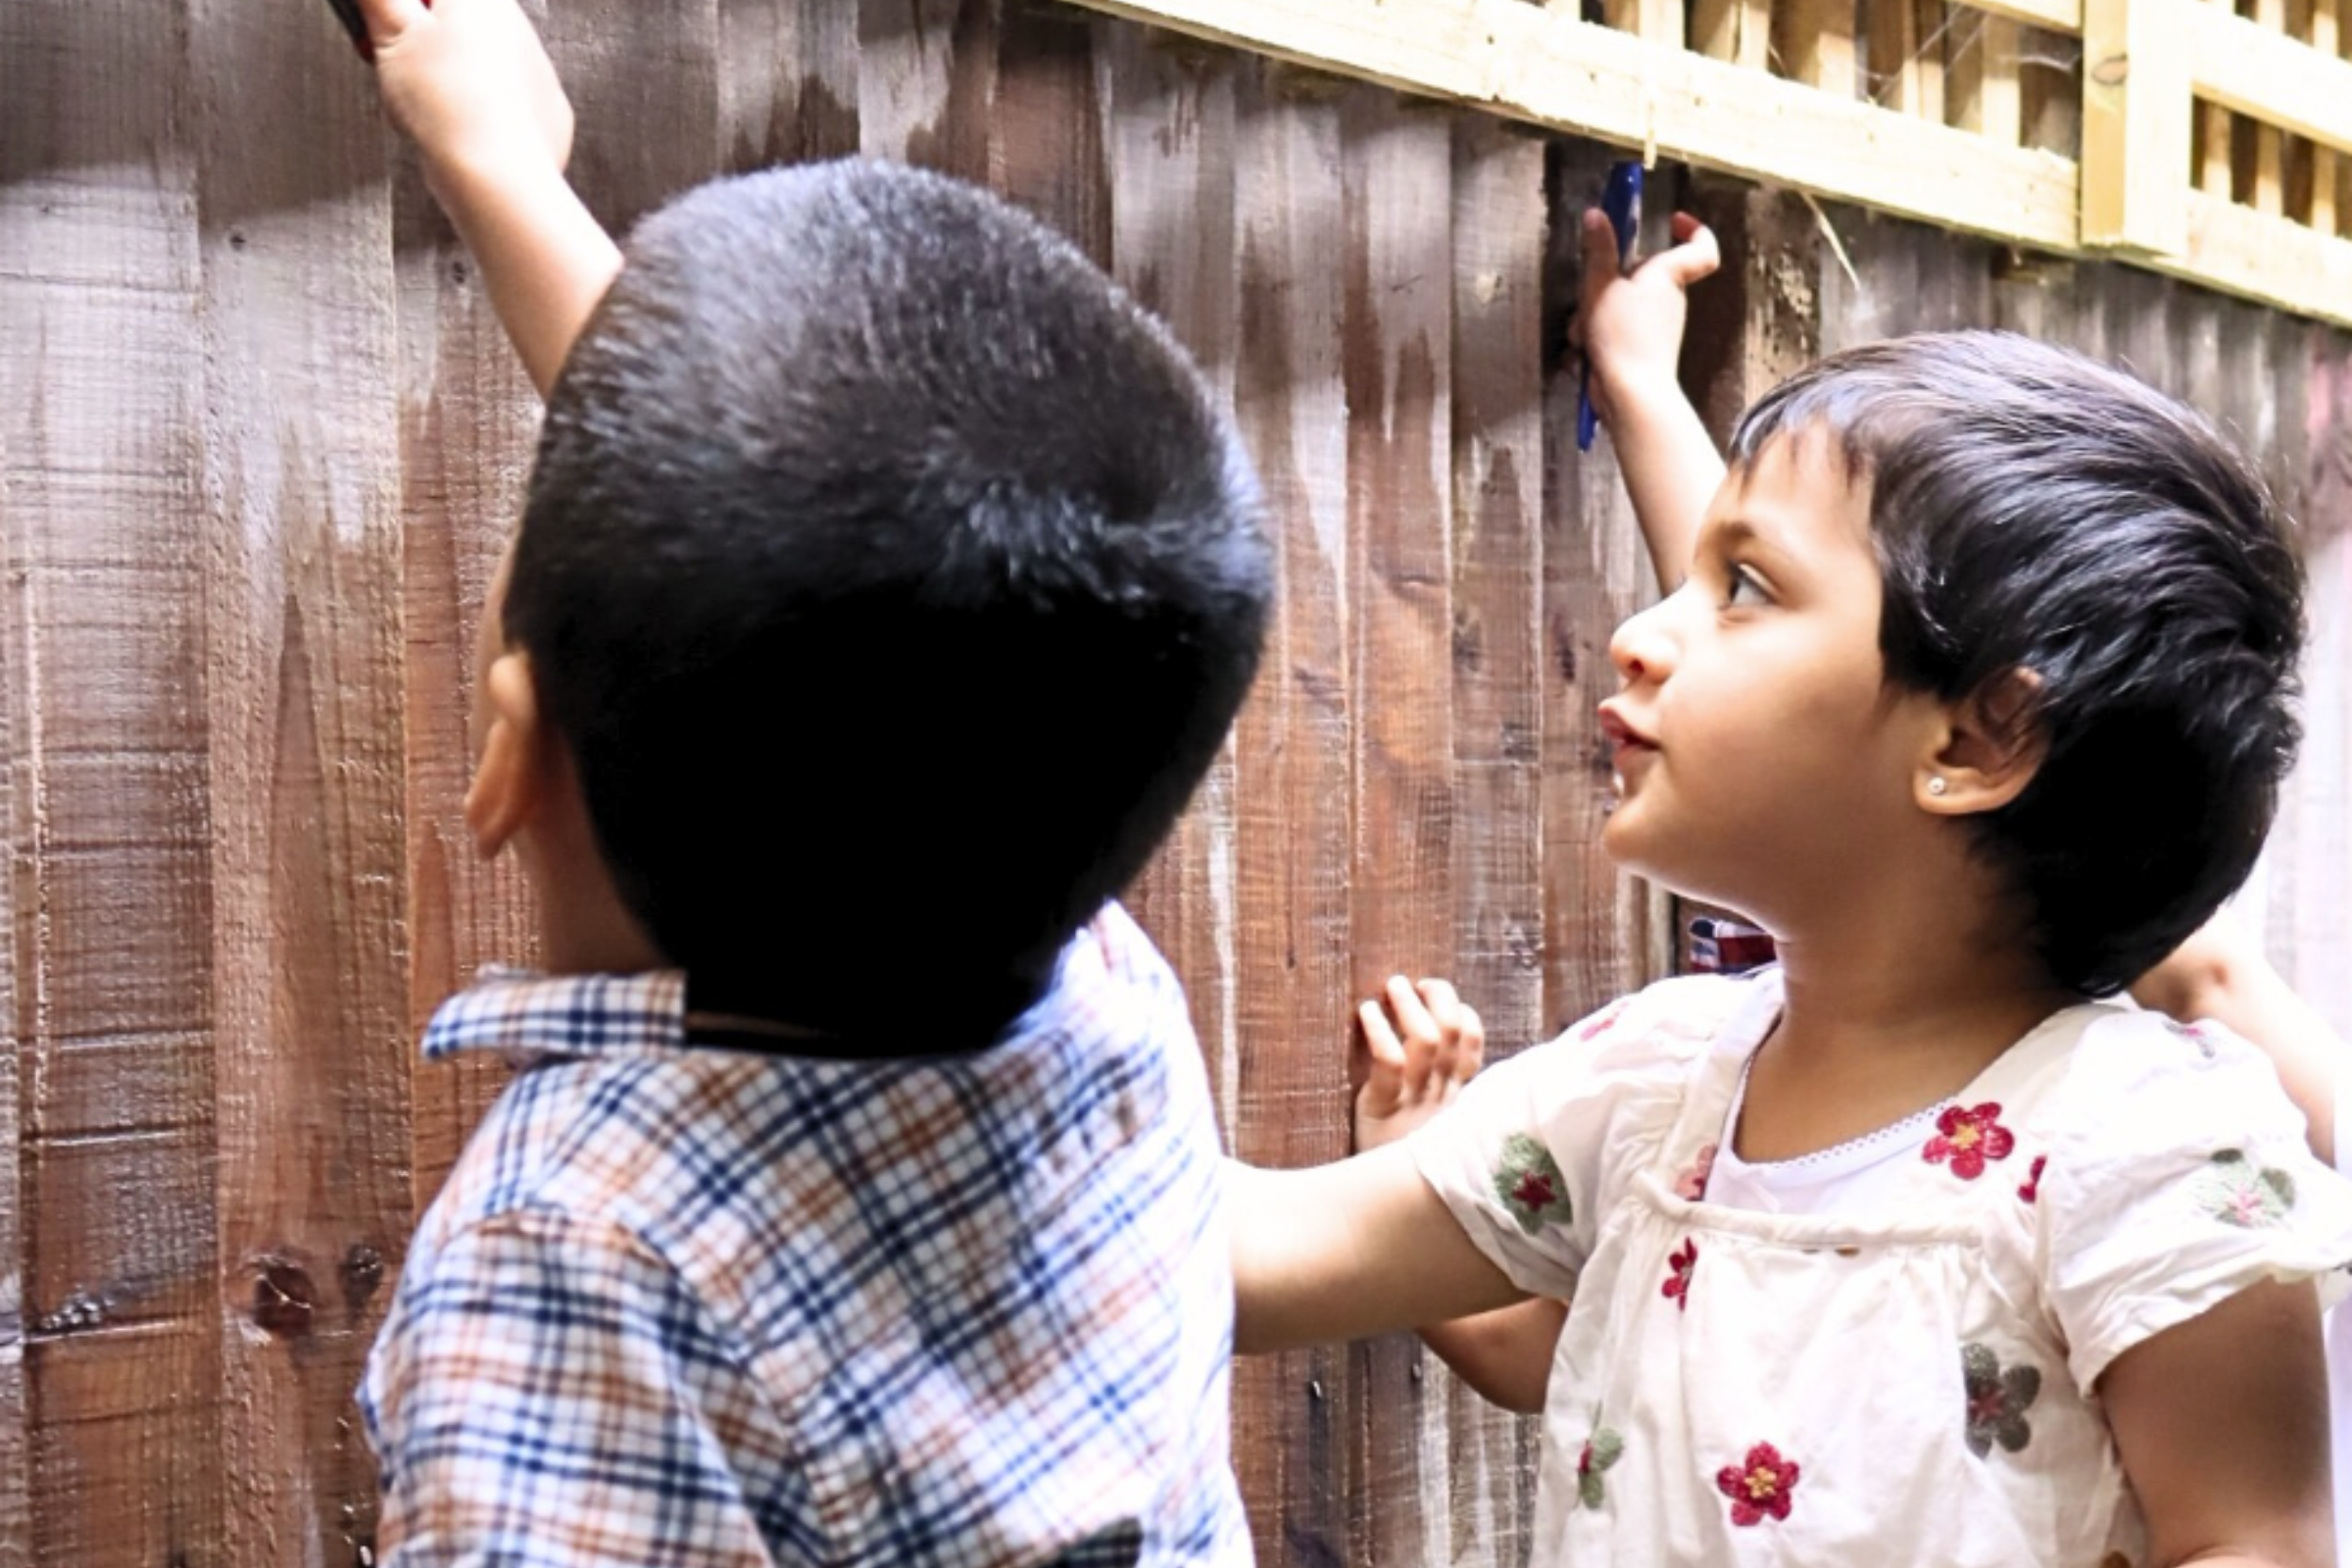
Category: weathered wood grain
[1604,933]
[1168,143]
[1398,270]
[467,421]
[109,1390]
[302,664]
[1499,676]
[1295,1414]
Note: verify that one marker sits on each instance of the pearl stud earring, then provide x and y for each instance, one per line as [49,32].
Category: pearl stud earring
[1936,785]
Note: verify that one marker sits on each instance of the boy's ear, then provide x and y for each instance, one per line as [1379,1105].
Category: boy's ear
[1987,749]
[510,777]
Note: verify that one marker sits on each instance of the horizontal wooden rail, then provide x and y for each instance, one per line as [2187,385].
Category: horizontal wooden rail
[2266,75]
[1548,69]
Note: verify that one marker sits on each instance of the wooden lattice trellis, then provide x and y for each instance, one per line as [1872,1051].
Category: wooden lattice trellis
[2202,138]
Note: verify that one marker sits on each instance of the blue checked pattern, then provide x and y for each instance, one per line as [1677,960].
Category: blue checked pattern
[692,1307]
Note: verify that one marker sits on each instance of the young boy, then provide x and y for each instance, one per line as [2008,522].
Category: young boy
[886,583]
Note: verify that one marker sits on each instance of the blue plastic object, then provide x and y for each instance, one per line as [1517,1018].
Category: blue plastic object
[1621,204]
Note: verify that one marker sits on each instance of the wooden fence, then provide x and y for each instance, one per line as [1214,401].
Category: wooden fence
[260,440]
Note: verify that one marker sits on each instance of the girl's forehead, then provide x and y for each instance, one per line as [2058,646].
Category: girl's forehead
[1797,494]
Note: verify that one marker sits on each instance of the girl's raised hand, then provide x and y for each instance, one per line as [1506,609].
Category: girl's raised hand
[469,82]
[1630,325]
[1422,1043]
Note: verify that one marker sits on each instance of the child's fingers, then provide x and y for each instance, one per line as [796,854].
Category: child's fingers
[1383,1079]
[389,19]
[1423,1040]
[1473,1052]
[1603,265]
[1695,254]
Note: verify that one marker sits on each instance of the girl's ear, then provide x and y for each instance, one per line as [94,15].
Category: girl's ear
[510,777]
[1987,749]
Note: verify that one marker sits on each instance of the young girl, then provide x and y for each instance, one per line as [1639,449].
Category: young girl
[1906,1251]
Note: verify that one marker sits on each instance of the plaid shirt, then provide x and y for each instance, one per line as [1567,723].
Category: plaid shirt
[681,1305]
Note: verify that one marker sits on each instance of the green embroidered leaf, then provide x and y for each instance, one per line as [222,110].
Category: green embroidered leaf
[1608,1447]
[1979,1369]
[2232,1191]
[1589,1490]
[1530,1185]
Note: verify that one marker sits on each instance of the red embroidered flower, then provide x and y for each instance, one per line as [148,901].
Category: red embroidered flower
[1691,1184]
[1534,1190]
[1968,1138]
[1592,1026]
[1678,1278]
[2033,1188]
[1759,1486]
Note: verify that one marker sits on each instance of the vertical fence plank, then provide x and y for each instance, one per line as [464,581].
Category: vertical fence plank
[2270,143]
[788,87]
[111,1381]
[2306,934]
[18,825]
[467,421]
[1498,678]
[1604,933]
[1737,30]
[1399,269]
[1982,91]
[1906,56]
[1814,43]
[302,655]
[1169,143]
[925,76]
[1294,1412]
[2327,36]
[1046,124]
[2137,129]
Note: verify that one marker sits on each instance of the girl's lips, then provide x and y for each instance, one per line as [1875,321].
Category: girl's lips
[1621,733]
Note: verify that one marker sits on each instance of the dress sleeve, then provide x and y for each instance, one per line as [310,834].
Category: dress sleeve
[2186,1179]
[1531,1154]
[550,1396]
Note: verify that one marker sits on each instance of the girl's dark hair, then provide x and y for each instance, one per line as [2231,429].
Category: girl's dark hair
[893,579]
[2037,512]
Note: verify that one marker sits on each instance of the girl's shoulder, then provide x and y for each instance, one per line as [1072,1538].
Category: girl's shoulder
[1673,1022]
[2169,1171]
[2109,1077]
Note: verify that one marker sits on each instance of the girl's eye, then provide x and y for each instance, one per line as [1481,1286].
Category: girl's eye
[1746,589]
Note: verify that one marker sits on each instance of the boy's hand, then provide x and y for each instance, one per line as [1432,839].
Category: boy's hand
[469,82]
[1630,325]
[1418,1062]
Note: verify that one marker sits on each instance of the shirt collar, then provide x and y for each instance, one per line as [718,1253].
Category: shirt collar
[530,1015]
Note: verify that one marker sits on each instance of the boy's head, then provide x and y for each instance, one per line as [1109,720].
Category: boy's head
[891,579]
[2109,578]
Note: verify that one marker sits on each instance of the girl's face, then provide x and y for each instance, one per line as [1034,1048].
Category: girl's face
[1762,761]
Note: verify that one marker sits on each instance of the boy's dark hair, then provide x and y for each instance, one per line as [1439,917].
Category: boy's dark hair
[893,580]
[2035,510]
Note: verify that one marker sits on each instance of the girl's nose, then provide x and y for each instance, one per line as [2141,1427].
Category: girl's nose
[1642,647]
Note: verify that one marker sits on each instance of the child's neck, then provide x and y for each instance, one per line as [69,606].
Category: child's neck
[1881,1024]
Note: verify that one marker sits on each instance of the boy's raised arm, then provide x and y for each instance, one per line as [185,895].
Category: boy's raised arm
[469,83]
[1631,325]
[2221,973]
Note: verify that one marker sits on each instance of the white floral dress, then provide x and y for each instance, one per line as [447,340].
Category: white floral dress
[1909,1384]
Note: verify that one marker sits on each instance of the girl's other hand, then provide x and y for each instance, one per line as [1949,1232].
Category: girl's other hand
[1422,1043]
